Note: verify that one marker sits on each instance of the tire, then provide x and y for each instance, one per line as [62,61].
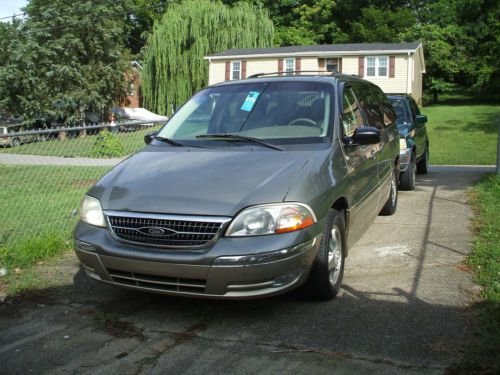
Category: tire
[392,202]
[407,178]
[422,164]
[328,269]
[16,142]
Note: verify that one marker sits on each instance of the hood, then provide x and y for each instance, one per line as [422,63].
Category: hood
[198,182]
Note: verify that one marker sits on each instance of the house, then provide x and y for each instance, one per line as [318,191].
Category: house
[133,81]
[396,68]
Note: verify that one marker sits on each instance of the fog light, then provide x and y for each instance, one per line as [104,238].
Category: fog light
[84,246]
[287,278]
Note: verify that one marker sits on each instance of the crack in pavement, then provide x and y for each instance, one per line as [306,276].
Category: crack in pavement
[287,348]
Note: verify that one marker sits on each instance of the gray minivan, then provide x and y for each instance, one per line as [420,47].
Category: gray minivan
[252,188]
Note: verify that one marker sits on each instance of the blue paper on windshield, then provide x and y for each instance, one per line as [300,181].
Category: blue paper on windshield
[250,101]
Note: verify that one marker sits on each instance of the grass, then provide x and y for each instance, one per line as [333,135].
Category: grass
[81,146]
[485,259]
[462,131]
[482,355]
[39,206]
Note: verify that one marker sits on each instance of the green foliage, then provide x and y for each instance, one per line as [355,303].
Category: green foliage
[140,21]
[382,25]
[174,67]
[31,249]
[107,145]
[64,58]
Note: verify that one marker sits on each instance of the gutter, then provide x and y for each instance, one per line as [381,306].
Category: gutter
[309,54]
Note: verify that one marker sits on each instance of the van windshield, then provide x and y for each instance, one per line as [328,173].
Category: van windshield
[264,110]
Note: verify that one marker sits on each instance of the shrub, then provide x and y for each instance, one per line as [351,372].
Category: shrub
[107,145]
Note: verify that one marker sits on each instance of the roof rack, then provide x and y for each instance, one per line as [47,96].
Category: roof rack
[290,72]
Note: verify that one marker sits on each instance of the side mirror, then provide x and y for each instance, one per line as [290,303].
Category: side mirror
[148,138]
[421,119]
[366,135]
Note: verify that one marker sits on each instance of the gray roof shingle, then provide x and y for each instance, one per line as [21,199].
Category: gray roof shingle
[348,47]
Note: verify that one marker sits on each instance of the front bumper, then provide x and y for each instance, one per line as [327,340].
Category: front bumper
[233,268]
[404,159]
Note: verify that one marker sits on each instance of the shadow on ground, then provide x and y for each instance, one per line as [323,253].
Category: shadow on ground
[391,318]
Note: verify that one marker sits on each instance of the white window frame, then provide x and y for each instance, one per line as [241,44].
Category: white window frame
[292,59]
[377,66]
[231,77]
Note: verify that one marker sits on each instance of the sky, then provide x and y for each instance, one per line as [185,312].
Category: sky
[10,7]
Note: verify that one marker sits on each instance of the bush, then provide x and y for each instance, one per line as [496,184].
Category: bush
[107,145]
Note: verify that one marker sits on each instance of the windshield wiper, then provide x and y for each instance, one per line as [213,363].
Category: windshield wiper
[236,137]
[169,141]
[175,143]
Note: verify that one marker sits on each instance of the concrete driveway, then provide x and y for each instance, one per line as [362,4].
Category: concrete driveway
[402,311]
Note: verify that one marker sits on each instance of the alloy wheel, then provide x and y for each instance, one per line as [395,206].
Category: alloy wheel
[334,255]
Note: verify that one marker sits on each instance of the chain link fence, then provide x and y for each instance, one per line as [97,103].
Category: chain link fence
[44,174]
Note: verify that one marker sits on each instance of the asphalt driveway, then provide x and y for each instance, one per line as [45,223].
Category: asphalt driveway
[403,309]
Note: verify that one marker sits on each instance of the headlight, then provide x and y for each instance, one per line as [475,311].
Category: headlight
[402,143]
[271,219]
[91,212]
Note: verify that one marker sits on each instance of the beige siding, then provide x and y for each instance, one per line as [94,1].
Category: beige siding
[396,85]
[350,65]
[217,68]
[416,85]
[216,71]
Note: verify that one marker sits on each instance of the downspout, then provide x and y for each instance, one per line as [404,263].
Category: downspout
[408,72]
[209,66]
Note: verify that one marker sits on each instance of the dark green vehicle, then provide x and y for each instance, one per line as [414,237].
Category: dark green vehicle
[251,189]
[414,143]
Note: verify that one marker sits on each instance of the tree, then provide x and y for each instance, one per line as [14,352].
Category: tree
[174,67]
[64,58]
[382,25]
[140,21]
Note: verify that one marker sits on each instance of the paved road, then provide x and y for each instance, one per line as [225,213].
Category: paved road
[19,159]
[401,311]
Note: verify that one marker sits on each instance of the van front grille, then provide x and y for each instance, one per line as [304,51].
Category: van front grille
[165,231]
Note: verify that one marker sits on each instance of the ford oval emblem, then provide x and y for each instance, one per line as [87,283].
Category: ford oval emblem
[157,231]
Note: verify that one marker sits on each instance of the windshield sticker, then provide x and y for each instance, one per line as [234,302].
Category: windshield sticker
[250,101]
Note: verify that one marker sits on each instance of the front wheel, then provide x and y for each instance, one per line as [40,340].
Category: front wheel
[392,202]
[407,178]
[423,163]
[328,268]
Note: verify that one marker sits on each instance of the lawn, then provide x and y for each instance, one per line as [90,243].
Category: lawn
[482,354]
[81,146]
[463,132]
[39,204]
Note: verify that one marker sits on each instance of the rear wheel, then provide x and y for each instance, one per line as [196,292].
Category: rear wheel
[407,178]
[16,142]
[422,164]
[392,202]
[328,268]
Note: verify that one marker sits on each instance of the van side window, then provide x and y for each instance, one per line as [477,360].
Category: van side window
[371,99]
[389,112]
[351,113]
[414,109]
